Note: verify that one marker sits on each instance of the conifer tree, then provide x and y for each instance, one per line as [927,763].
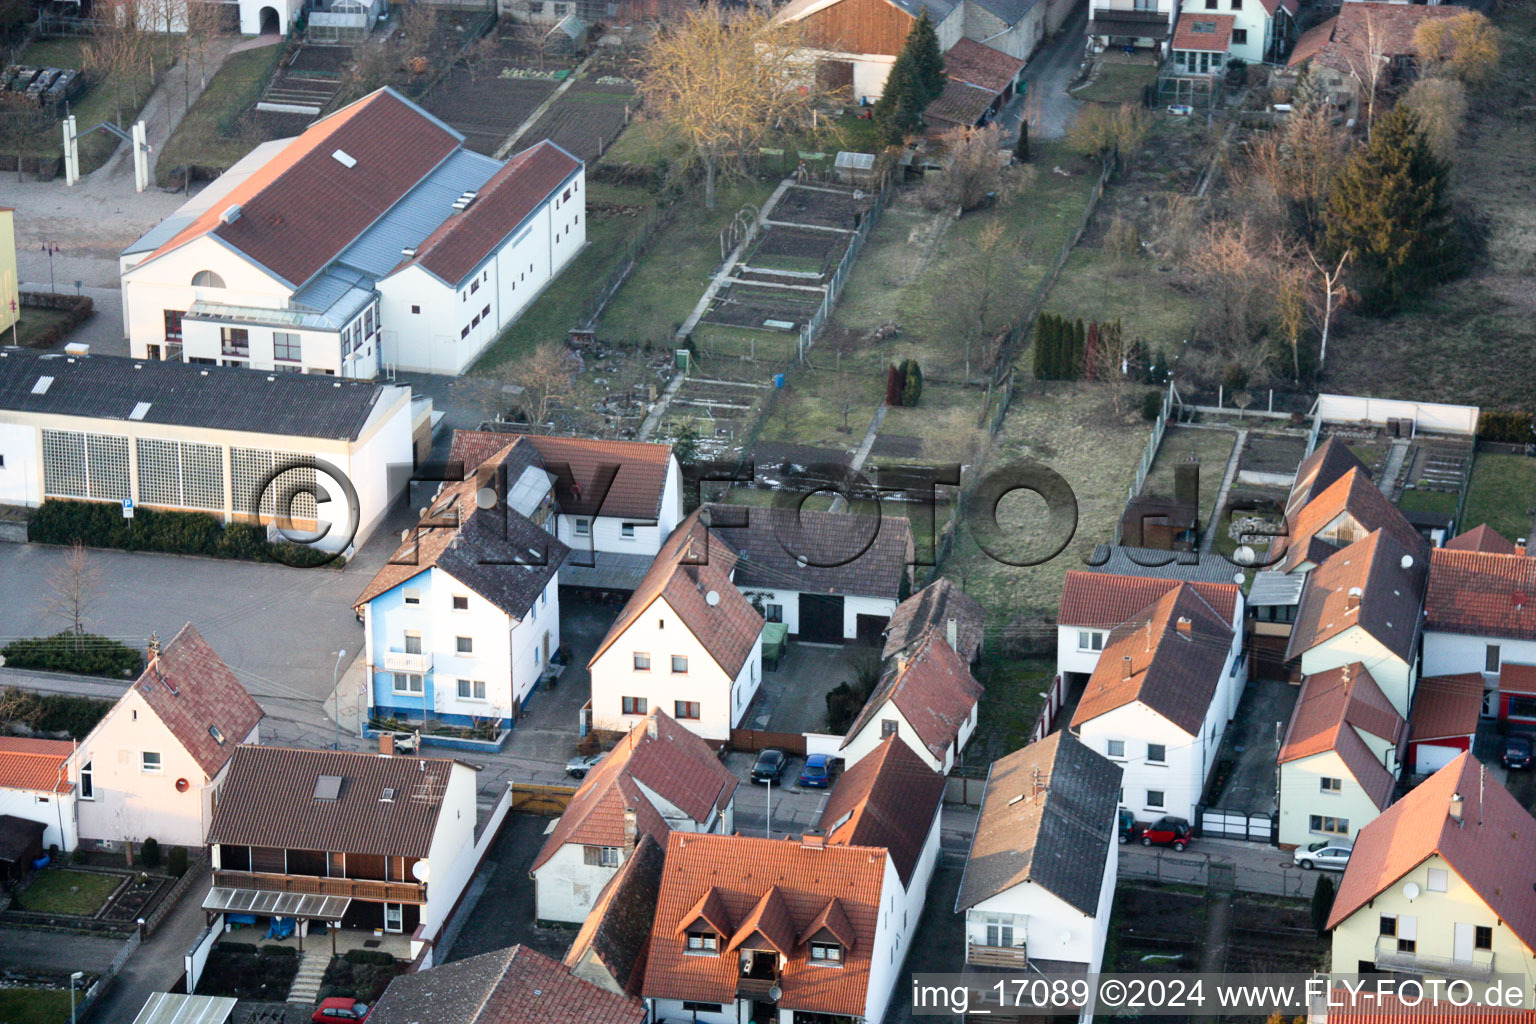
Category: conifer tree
[915,80]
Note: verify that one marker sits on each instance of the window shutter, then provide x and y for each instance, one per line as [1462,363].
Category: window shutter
[1407,927]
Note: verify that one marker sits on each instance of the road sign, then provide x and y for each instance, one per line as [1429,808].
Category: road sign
[127,508]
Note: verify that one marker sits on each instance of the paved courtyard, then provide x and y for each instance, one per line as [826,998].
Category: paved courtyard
[792,697]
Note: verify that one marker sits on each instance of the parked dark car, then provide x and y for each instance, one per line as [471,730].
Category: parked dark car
[817,772]
[1167,831]
[1517,750]
[1128,826]
[770,766]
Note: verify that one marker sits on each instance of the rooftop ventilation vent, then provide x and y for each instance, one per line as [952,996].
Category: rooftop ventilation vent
[408,252]
[344,158]
[230,214]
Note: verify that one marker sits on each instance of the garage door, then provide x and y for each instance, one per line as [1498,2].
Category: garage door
[1429,758]
[870,629]
[821,619]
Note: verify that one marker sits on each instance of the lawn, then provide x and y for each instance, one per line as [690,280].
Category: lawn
[63,891]
[1212,447]
[1435,502]
[1118,83]
[34,1005]
[558,307]
[34,321]
[98,104]
[206,137]
[1502,494]
[1010,704]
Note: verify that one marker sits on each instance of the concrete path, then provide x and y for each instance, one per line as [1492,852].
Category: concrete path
[538,111]
[840,503]
[1218,926]
[157,963]
[1048,73]
[1395,459]
[1209,536]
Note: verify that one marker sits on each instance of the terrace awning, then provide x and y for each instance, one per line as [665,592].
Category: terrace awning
[271,903]
[171,1008]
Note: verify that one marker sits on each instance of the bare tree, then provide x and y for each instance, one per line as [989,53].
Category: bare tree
[980,297]
[205,26]
[1298,164]
[978,168]
[22,122]
[1363,50]
[481,55]
[545,378]
[420,29]
[720,81]
[1466,46]
[74,587]
[1440,106]
[119,50]
[1100,130]
[1332,293]
[1106,361]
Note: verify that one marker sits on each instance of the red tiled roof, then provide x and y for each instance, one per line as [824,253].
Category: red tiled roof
[768,919]
[889,798]
[1390,26]
[674,763]
[1495,834]
[613,939]
[1199,30]
[194,693]
[736,872]
[1289,6]
[934,606]
[1481,538]
[1331,707]
[302,207]
[1517,678]
[1097,600]
[1445,706]
[980,65]
[693,563]
[1355,494]
[1481,594]
[268,799]
[582,467]
[1388,596]
[933,689]
[36,765]
[1317,472]
[1365,1008]
[1150,659]
[1312,42]
[459,245]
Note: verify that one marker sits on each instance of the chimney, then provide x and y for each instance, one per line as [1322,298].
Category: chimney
[1186,482]
[650,726]
[387,744]
[1456,801]
[1126,667]
[1185,626]
[1352,599]
[1520,546]
[629,830]
[813,840]
[952,633]
[154,650]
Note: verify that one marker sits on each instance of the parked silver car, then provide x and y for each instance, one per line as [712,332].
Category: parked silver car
[1329,855]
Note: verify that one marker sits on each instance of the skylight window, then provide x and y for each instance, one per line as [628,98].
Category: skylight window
[327,787]
[140,410]
[42,385]
[344,158]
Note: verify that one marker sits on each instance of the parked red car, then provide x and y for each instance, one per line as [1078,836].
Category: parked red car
[1167,831]
[340,1008]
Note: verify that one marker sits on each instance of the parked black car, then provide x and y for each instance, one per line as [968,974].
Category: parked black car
[770,766]
[1517,750]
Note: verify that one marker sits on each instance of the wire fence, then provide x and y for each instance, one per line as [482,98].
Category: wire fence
[818,319]
[1263,870]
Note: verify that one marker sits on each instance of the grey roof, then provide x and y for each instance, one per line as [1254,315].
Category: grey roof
[1189,566]
[486,554]
[448,992]
[937,10]
[844,552]
[185,394]
[377,251]
[1010,11]
[1276,588]
[1057,836]
[604,570]
[214,191]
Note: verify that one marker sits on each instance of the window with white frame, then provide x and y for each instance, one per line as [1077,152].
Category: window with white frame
[411,595]
[407,682]
[627,530]
[1115,748]
[642,661]
[1090,640]
[600,856]
[827,953]
[461,602]
[1491,659]
[464,645]
[1157,753]
[703,943]
[1154,798]
[583,527]
[149,761]
[999,929]
[679,663]
[287,346]
[87,782]
[635,705]
[1437,880]
[412,643]
[472,689]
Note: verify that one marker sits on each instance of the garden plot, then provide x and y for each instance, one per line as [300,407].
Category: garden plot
[587,118]
[719,411]
[488,104]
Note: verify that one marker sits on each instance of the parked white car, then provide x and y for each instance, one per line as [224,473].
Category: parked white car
[1328,855]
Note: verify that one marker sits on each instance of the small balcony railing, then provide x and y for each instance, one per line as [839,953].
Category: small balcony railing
[1390,958]
[399,661]
[982,955]
[754,988]
[354,888]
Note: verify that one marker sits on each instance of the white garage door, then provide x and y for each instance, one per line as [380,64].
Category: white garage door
[1430,758]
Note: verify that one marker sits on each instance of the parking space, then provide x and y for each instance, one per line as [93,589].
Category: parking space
[793,697]
[793,808]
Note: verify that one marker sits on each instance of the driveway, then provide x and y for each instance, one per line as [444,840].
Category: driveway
[1054,67]
[793,697]
[504,915]
[1252,742]
[1257,867]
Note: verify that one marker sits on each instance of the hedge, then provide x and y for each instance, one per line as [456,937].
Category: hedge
[1507,427]
[100,525]
[52,713]
[78,308]
[83,654]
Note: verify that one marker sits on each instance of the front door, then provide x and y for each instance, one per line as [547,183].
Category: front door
[1464,940]
[394,916]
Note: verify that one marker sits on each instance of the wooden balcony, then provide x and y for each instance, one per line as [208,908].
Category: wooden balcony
[354,888]
[754,988]
[1011,957]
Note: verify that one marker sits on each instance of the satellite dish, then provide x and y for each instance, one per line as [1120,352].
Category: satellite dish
[1066,937]
[712,598]
[421,871]
[1244,555]
[485,497]
[1407,561]
[775,994]
[1411,891]
[1238,578]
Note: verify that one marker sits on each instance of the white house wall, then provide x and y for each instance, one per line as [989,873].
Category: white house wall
[451,857]
[380,463]
[853,607]
[1447,654]
[21,466]
[55,810]
[1301,796]
[868,738]
[154,286]
[1072,658]
[1181,779]
[565,886]
[1395,677]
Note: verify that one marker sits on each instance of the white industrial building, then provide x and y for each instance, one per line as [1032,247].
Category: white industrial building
[372,242]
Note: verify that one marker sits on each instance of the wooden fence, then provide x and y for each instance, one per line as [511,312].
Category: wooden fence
[759,739]
[550,801]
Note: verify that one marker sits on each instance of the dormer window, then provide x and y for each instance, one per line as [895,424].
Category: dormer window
[829,953]
[703,943]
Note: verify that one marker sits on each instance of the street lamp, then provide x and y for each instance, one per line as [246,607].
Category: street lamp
[336,697]
[768,825]
[73,980]
[50,248]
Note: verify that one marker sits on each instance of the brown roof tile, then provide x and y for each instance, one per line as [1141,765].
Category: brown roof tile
[268,799]
[618,930]
[935,605]
[1388,596]
[674,763]
[1331,707]
[888,799]
[1495,833]
[738,870]
[1328,462]
[1103,601]
[1481,594]
[1445,706]
[693,563]
[1355,494]
[462,242]
[768,922]
[933,689]
[300,209]
[199,699]
[1151,659]
[846,553]
[1390,26]
[517,985]
[37,765]
[1481,538]
[1515,678]
[1199,30]
[584,470]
